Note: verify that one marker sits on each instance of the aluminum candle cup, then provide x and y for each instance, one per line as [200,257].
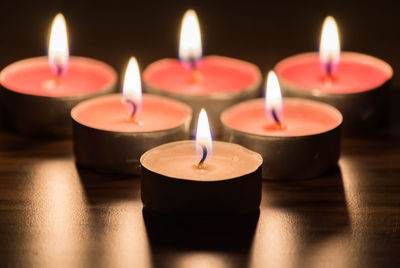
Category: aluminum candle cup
[106,140]
[230,183]
[224,82]
[35,104]
[213,82]
[359,89]
[306,147]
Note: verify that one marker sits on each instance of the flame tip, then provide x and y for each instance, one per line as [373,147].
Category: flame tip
[190,37]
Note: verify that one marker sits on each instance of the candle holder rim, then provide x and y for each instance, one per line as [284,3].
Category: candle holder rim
[186,119]
[334,109]
[318,92]
[105,88]
[218,95]
[259,157]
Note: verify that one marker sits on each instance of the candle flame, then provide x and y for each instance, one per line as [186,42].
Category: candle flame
[58,45]
[273,98]
[132,88]
[203,136]
[329,48]
[190,39]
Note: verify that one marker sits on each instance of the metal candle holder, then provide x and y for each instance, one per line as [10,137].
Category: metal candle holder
[362,111]
[119,152]
[40,116]
[213,103]
[166,195]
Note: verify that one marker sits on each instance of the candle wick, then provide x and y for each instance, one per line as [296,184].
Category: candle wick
[203,158]
[275,116]
[329,67]
[134,108]
[196,75]
[59,70]
[193,64]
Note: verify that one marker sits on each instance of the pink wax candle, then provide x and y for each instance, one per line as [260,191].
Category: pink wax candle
[356,73]
[111,132]
[38,93]
[212,82]
[352,82]
[302,118]
[34,76]
[298,138]
[106,113]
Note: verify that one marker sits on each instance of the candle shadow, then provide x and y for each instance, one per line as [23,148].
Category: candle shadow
[200,237]
[318,206]
[103,188]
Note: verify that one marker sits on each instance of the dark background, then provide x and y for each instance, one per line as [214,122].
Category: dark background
[262,32]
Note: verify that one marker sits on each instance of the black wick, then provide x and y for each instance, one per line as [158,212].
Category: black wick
[329,67]
[134,107]
[59,70]
[204,148]
[275,116]
[193,63]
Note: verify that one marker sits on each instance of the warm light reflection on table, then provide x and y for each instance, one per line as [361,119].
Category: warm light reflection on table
[58,215]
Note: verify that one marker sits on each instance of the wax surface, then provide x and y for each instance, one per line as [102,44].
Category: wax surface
[355,73]
[176,160]
[34,76]
[300,117]
[218,75]
[107,113]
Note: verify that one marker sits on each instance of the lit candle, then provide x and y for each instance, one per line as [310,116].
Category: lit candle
[39,92]
[112,131]
[354,83]
[298,138]
[202,176]
[213,82]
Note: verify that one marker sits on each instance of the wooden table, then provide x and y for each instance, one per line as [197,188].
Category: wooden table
[53,214]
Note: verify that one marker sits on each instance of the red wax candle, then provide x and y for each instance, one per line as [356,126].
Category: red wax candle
[355,73]
[108,114]
[223,82]
[212,82]
[218,75]
[34,76]
[352,82]
[301,118]
[305,146]
[106,139]
[38,93]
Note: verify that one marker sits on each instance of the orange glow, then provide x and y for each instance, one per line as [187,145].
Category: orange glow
[58,54]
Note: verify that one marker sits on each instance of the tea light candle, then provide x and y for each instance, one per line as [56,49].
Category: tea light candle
[111,132]
[201,177]
[212,82]
[38,93]
[297,138]
[354,83]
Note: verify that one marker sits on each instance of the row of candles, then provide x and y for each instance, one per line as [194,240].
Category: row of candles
[280,138]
